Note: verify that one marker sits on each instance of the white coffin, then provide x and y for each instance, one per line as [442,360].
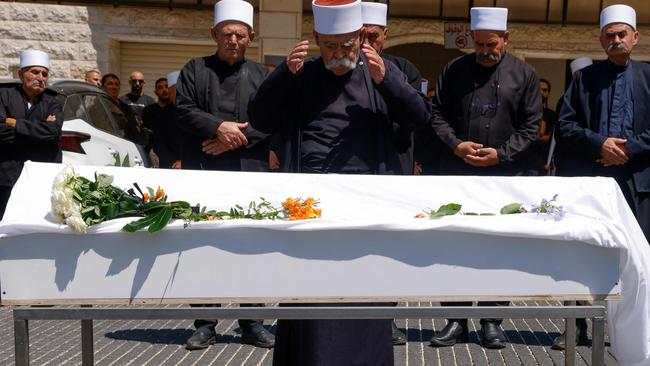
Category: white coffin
[366,246]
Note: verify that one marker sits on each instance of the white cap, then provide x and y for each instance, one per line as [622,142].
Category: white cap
[579,64]
[237,10]
[34,58]
[337,16]
[618,14]
[495,19]
[374,13]
[172,78]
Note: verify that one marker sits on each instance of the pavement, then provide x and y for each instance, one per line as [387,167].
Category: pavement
[161,342]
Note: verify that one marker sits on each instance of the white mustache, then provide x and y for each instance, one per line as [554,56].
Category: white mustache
[343,62]
[619,46]
[38,83]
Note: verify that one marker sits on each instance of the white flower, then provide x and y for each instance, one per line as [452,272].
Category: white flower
[65,209]
[76,223]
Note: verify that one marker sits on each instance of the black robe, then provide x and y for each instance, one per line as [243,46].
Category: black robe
[34,138]
[581,118]
[166,134]
[499,107]
[298,105]
[405,139]
[284,103]
[198,112]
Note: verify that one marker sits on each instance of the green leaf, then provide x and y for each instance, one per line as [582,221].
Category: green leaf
[510,209]
[152,193]
[117,159]
[446,210]
[162,219]
[470,214]
[136,225]
[104,180]
[125,162]
[110,210]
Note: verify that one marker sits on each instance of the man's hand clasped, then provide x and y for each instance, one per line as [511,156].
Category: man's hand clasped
[229,137]
[475,154]
[613,152]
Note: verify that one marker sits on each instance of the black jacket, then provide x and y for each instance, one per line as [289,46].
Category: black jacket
[516,121]
[404,139]
[196,107]
[579,123]
[34,138]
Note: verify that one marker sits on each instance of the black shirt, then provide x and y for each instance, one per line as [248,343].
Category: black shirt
[137,103]
[167,140]
[342,136]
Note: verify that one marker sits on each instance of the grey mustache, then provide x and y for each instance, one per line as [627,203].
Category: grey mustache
[619,46]
[490,57]
[344,62]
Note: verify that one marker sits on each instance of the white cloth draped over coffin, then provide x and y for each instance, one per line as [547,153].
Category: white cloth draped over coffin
[597,214]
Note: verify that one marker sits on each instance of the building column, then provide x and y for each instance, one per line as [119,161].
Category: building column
[280,29]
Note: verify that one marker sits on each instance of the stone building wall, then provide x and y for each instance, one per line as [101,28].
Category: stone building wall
[78,38]
[83,37]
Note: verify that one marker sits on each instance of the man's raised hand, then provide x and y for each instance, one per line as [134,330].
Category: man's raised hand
[296,59]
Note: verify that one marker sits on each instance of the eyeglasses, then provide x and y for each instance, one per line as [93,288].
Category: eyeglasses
[345,46]
[136,81]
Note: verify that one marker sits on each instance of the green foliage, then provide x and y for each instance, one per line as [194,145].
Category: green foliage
[119,162]
[513,208]
[445,210]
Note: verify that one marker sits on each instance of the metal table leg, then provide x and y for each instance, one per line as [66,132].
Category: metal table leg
[21,337]
[570,338]
[87,353]
[598,341]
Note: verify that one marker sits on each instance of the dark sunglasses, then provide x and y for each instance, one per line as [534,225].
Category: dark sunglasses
[135,81]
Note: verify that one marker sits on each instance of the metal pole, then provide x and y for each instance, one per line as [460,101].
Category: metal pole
[570,338]
[21,338]
[598,341]
[87,353]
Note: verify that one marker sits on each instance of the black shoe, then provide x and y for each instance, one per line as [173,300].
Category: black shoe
[559,343]
[454,331]
[399,338]
[202,338]
[257,335]
[493,337]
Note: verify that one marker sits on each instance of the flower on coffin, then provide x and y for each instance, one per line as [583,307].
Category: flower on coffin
[79,203]
[546,208]
[65,209]
[549,208]
[299,209]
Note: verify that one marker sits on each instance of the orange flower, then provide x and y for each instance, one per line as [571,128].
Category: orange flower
[145,197]
[159,193]
[295,209]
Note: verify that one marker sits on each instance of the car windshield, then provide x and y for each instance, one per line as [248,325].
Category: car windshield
[90,109]
[118,116]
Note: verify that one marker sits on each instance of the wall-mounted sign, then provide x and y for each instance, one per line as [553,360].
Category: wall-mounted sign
[457,36]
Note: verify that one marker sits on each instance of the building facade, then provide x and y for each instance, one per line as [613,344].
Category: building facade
[157,38]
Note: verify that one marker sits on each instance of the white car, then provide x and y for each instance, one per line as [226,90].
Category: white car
[92,128]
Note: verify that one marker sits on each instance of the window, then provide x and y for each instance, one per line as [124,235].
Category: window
[117,114]
[73,109]
[97,114]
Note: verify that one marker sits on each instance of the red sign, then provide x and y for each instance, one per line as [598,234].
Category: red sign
[458,36]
